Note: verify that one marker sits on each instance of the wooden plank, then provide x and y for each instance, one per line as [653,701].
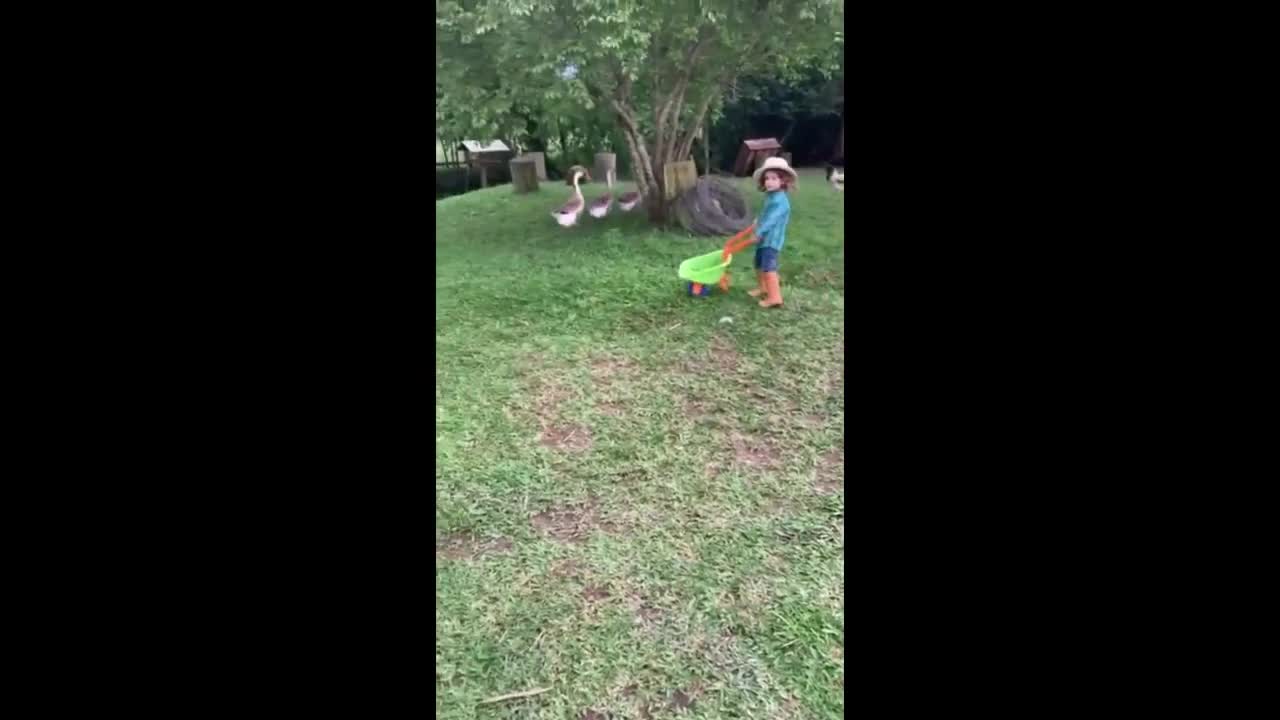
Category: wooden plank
[678,177]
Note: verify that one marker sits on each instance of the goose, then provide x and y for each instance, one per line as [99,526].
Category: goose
[568,213]
[628,200]
[835,176]
[600,206]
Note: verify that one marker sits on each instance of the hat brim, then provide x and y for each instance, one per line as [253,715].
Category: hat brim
[761,171]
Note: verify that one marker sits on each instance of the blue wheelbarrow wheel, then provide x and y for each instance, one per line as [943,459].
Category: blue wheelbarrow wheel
[698,289]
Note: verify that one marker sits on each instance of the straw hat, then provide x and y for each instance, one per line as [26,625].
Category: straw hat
[774,163]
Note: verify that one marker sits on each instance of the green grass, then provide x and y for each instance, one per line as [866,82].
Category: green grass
[636,504]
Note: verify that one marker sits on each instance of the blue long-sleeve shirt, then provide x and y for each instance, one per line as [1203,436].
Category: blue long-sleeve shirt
[771,226]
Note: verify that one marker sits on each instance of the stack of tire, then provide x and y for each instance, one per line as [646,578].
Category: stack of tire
[712,207]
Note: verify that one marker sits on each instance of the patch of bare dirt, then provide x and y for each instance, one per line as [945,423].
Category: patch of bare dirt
[465,546]
[631,477]
[774,507]
[595,593]
[830,478]
[610,408]
[712,470]
[775,564]
[571,523]
[547,399]
[592,715]
[824,277]
[697,410]
[567,569]
[835,376]
[566,438]
[724,353]
[754,452]
[605,369]
[644,612]
[681,700]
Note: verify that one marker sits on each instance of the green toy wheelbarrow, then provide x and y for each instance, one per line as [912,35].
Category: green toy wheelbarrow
[704,271]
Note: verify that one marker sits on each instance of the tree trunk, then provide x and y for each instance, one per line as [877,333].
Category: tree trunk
[670,141]
[524,175]
[706,150]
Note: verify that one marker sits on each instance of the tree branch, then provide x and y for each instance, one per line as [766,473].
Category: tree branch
[643,165]
[642,179]
[686,142]
[668,117]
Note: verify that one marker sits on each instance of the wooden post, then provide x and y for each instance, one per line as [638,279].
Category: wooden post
[524,175]
[540,163]
[678,177]
[604,163]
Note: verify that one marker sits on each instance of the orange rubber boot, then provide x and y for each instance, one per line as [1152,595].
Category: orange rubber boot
[761,287]
[774,298]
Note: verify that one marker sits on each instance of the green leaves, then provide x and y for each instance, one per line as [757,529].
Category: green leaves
[496,55]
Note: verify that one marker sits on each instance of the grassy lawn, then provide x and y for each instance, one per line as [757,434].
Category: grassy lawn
[638,506]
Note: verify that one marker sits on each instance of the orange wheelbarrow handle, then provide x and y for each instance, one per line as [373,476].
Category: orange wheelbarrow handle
[733,245]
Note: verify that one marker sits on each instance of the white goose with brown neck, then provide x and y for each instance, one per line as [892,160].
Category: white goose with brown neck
[600,206]
[568,213]
[628,200]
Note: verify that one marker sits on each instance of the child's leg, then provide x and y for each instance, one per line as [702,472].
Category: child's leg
[761,288]
[769,269]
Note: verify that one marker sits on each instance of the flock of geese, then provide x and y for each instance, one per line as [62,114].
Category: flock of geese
[568,213]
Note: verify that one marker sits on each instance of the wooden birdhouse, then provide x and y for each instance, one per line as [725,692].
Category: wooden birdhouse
[753,153]
[484,157]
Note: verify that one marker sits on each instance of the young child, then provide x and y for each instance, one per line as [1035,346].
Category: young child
[776,178]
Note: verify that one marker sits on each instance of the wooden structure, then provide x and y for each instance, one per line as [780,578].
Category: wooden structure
[476,155]
[678,177]
[604,163]
[540,162]
[753,153]
[524,174]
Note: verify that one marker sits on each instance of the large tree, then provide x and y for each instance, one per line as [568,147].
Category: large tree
[657,67]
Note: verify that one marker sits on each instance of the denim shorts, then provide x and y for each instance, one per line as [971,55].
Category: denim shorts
[767,259]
